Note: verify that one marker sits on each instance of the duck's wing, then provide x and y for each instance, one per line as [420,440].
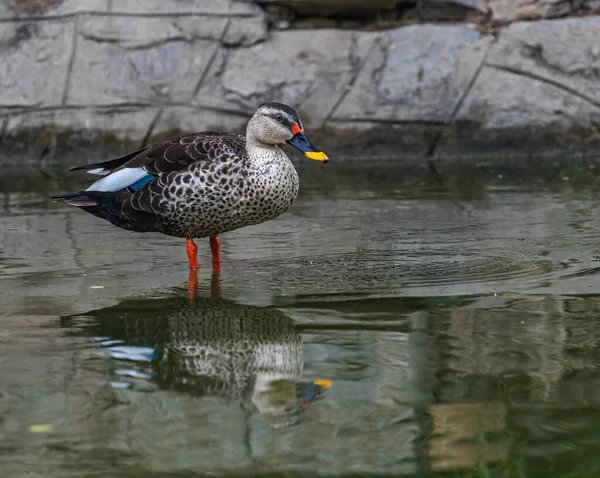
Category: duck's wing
[140,167]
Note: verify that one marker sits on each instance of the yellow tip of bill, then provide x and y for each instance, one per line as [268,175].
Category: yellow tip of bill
[317,156]
[323,383]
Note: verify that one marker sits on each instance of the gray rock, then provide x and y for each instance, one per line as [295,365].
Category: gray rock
[181,120]
[566,53]
[70,133]
[34,59]
[507,112]
[309,70]
[129,76]
[207,7]
[591,5]
[415,74]
[515,10]
[245,31]
[539,89]
[150,60]
[47,8]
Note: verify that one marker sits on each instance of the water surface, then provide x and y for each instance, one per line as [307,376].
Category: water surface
[384,325]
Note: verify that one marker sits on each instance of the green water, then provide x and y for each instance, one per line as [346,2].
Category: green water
[390,323]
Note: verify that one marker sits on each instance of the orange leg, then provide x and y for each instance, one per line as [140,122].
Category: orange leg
[192,250]
[215,247]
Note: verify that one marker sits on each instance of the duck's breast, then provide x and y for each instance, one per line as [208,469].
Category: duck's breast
[226,197]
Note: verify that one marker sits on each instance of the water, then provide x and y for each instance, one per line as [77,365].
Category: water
[387,324]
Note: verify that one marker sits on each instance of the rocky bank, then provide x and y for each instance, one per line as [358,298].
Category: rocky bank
[420,77]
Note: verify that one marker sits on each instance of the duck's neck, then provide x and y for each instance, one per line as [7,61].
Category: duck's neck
[261,153]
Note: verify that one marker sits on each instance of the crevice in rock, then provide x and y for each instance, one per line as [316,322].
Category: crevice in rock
[548,81]
[352,81]
[436,140]
[147,45]
[371,17]
[378,71]
[283,17]
[150,130]
[204,73]
[3,126]
[211,61]
[95,13]
[71,61]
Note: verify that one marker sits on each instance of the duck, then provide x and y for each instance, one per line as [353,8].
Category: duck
[201,185]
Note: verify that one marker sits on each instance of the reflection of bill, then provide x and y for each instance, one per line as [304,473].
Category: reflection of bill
[465,434]
[283,400]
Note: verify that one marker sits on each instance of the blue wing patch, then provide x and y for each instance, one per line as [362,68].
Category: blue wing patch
[140,183]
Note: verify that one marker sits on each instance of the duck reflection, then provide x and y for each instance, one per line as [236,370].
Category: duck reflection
[214,347]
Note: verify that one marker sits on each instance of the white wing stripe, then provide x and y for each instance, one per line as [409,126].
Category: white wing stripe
[118,180]
[98,171]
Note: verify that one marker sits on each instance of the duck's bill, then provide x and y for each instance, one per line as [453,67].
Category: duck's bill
[323,383]
[301,142]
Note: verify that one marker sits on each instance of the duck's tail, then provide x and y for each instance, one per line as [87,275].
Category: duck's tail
[79,199]
[105,205]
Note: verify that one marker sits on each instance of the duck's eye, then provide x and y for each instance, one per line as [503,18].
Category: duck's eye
[279,117]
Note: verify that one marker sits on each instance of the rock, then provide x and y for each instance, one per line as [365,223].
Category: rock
[507,113]
[409,87]
[245,31]
[591,5]
[415,74]
[518,10]
[308,70]
[34,61]
[149,60]
[181,120]
[539,88]
[69,133]
[155,59]
[24,8]
[566,53]
[115,78]
[195,7]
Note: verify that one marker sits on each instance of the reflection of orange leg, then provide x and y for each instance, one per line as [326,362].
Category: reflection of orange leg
[215,284]
[192,250]
[215,247]
[192,283]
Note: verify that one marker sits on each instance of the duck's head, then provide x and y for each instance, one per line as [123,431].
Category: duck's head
[276,123]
